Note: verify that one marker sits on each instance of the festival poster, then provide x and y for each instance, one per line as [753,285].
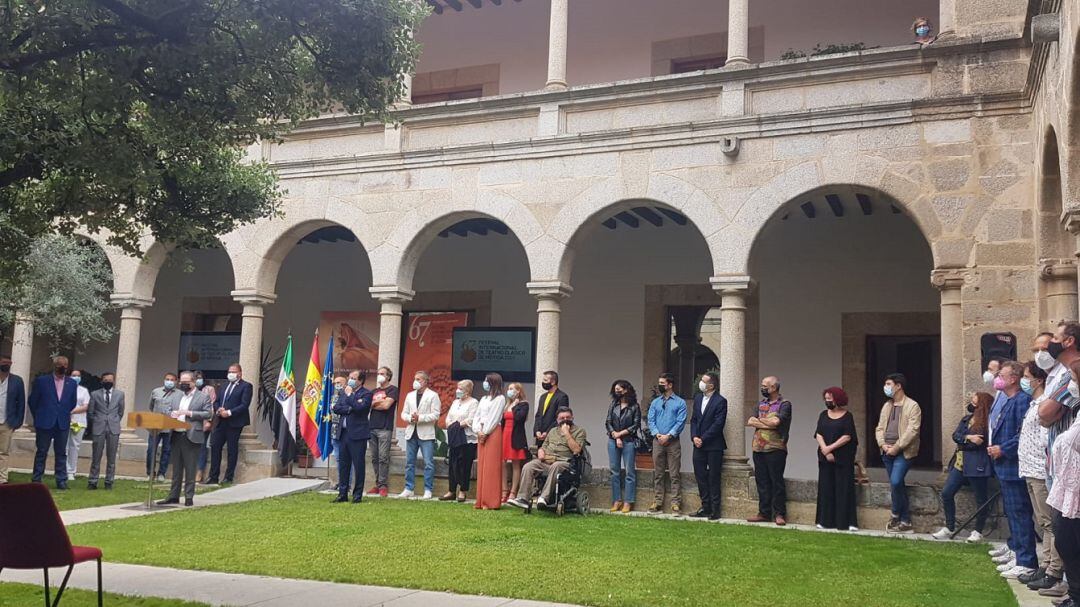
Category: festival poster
[429,346]
[356,341]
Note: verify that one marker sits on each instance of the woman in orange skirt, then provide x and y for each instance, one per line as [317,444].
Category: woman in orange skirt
[489,461]
[515,448]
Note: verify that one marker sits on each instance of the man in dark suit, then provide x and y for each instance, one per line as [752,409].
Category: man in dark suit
[231,411]
[193,408]
[353,405]
[12,411]
[548,405]
[1006,420]
[106,415]
[51,402]
[707,430]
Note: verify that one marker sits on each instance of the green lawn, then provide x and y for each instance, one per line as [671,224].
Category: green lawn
[20,595]
[78,496]
[595,560]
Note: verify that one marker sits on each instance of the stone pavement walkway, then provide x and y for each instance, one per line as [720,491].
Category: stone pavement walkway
[241,590]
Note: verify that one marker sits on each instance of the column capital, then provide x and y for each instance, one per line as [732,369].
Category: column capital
[127,300]
[1071,220]
[549,289]
[731,284]
[1057,269]
[253,297]
[391,293]
[947,279]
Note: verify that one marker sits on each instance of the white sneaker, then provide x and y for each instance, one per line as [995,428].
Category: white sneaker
[974,537]
[427,495]
[1016,572]
[941,534]
[540,501]
[998,550]
[1006,566]
[852,528]
[1004,558]
[407,494]
[819,526]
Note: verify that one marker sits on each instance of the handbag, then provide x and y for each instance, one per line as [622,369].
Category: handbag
[455,436]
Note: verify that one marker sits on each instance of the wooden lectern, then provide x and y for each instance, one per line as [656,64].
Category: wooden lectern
[154,423]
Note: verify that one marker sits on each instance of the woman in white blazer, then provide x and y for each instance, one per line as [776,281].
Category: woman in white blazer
[421,412]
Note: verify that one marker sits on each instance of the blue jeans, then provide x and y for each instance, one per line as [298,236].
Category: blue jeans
[897,467]
[952,486]
[622,459]
[427,447]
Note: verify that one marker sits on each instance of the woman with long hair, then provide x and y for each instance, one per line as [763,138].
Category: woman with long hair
[515,448]
[837,440]
[970,465]
[488,427]
[622,424]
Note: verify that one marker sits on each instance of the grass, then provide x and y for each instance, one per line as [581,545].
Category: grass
[78,496]
[12,595]
[595,560]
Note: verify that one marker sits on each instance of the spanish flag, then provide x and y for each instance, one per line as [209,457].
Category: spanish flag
[311,401]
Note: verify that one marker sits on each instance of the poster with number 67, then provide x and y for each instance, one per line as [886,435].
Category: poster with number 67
[429,346]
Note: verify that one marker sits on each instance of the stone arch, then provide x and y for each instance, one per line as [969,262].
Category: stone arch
[580,216]
[395,260]
[1052,237]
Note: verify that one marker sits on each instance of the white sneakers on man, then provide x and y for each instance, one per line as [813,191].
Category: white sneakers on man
[1016,572]
[974,537]
[999,550]
[406,494]
[1003,567]
[1004,558]
[942,534]
[427,495]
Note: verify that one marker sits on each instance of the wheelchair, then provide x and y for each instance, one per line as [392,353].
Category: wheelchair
[569,497]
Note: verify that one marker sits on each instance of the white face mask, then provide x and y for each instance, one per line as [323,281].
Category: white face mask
[233,376]
[511,393]
[460,393]
[198,383]
[487,386]
[1074,389]
[416,384]
[381,379]
[353,383]
[702,386]
[889,391]
[1044,360]
[988,377]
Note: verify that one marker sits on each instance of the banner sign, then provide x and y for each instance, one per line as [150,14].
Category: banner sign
[508,351]
[429,346]
[356,341]
[209,351]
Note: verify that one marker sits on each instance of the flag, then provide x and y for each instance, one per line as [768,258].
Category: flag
[311,401]
[286,389]
[326,443]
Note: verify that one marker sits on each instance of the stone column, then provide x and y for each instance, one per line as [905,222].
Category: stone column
[946,24]
[950,282]
[1059,278]
[549,295]
[391,299]
[22,353]
[734,291]
[738,46]
[406,95]
[251,333]
[1071,221]
[556,79]
[127,347]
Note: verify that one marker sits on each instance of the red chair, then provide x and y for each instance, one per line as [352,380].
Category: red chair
[32,536]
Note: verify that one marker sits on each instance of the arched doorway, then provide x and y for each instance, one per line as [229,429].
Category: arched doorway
[1058,285]
[844,297]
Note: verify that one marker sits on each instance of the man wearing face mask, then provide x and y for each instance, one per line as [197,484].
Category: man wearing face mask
[353,406]
[12,411]
[341,378]
[78,424]
[771,426]
[667,418]
[381,423]
[192,408]
[163,399]
[421,412]
[897,434]
[1059,410]
[208,425]
[106,413]
[707,423]
[231,409]
[51,402]
[548,405]
[991,371]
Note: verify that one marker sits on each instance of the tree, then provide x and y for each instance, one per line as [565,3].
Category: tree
[64,289]
[127,117]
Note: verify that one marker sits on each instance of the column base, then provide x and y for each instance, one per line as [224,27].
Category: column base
[737,464]
[737,61]
[556,85]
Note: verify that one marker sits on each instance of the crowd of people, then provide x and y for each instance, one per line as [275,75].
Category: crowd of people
[1020,431]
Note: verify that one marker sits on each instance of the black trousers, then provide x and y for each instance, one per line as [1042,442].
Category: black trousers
[707,468]
[461,461]
[351,463]
[769,477]
[221,436]
[59,440]
[1067,542]
[836,496]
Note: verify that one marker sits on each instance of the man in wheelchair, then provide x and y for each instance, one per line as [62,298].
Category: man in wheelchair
[562,448]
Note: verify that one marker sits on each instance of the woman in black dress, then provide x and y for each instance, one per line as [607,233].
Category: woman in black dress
[837,441]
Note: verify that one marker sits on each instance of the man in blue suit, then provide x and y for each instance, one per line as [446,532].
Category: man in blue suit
[1006,420]
[353,406]
[12,410]
[707,430]
[231,413]
[51,402]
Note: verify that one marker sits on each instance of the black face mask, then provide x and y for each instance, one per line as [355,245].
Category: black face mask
[661,389]
[5,368]
[185,387]
[765,393]
[1055,349]
[830,406]
[970,408]
[60,370]
[107,385]
[546,386]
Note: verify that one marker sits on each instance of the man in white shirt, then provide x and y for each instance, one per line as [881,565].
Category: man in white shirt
[193,408]
[420,411]
[78,423]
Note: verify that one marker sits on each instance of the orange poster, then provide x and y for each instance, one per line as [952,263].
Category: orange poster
[356,341]
[429,346]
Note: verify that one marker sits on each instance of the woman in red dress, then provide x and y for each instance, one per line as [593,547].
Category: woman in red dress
[515,449]
[489,467]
